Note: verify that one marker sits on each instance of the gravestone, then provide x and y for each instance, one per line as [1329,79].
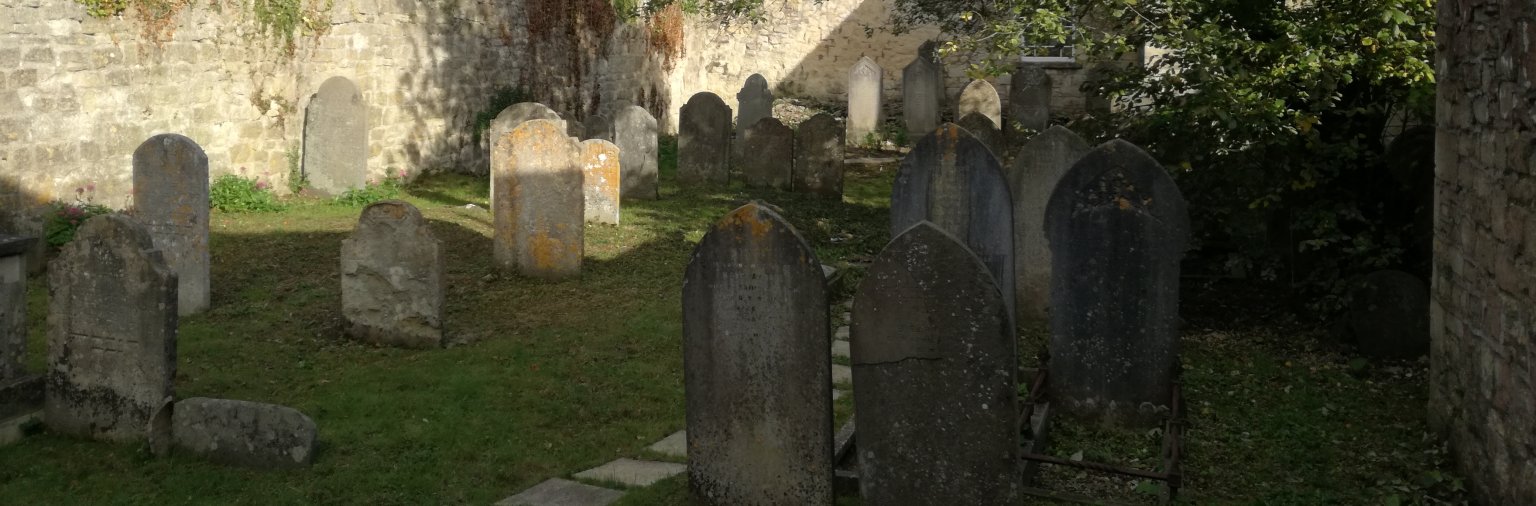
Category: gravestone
[600,181]
[935,365]
[392,278]
[111,333]
[770,149]
[1389,315]
[600,126]
[985,131]
[819,157]
[1040,163]
[979,96]
[755,365]
[243,433]
[538,207]
[952,180]
[866,86]
[170,198]
[13,306]
[1029,103]
[704,141]
[754,102]
[634,131]
[1117,227]
[336,138]
[509,118]
[922,86]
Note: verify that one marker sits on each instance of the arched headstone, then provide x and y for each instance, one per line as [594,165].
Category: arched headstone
[1029,103]
[756,365]
[985,131]
[509,118]
[634,131]
[601,180]
[866,88]
[1039,165]
[981,97]
[538,209]
[336,138]
[935,367]
[170,198]
[754,102]
[392,278]
[819,157]
[704,141]
[770,150]
[922,86]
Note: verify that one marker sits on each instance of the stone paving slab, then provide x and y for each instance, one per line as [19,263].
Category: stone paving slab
[841,334]
[634,473]
[675,445]
[837,394]
[840,349]
[870,161]
[558,492]
[841,374]
[827,271]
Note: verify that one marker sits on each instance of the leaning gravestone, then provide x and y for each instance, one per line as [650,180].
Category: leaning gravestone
[170,198]
[336,138]
[819,157]
[935,363]
[754,102]
[979,96]
[704,141]
[922,86]
[1029,103]
[1389,315]
[952,180]
[770,147]
[1117,227]
[392,278]
[243,433]
[1031,179]
[985,131]
[634,131]
[112,333]
[866,85]
[600,181]
[13,307]
[538,207]
[755,365]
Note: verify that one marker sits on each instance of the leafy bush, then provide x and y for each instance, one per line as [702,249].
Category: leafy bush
[389,188]
[234,194]
[64,219]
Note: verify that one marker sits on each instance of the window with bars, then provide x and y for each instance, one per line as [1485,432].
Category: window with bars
[1053,51]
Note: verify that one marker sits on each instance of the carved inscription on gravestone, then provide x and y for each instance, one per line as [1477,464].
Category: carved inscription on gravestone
[704,141]
[170,198]
[538,208]
[866,89]
[601,181]
[336,138]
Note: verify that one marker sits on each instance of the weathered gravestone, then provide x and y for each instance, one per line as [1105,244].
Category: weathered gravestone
[243,433]
[819,157]
[1031,179]
[600,126]
[754,102]
[755,365]
[866,88]
[985,131]
[600,181]
[634,131]
[922,89]
[538,208]
[509,118]
[111,333]
[979,96]
[704,141]
[952,180]
[1389,315]
[770,149]
[935,364]
[1117,227]
[170,198]
[392,278]
[13,305]
[1029,103]
[336,138]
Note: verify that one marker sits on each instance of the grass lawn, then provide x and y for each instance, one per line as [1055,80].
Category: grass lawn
[547,379]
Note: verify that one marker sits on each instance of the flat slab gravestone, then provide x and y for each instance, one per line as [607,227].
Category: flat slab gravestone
[392,278]
[753,103]
[336,138]
[1039,165]
[111,333]
[704,141]
[952,180]
[985,131]
[243,433]
[922,89]
[980,96]
[866,95]
[755,365]
[634,473]
[819,157]
[1117,227]
[539,208]
[770,150]
[13,306]
[634,131]
[558,492]
[600,181]
[1389,315]
[935,365]
[170,198]
[1029,103]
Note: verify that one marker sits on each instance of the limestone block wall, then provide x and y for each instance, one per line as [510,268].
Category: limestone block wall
[1483,310]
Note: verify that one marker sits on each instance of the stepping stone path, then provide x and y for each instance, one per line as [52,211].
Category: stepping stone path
[634,473]
[558,492]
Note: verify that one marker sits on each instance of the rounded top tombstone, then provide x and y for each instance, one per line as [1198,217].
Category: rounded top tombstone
[1118,174]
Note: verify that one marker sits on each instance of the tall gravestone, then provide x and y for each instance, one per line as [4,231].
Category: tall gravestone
[819,157]
[755,365]
[934,360]
[866,88]
[392,278]
[601,180]
[538,208]
[336,138]
[170,198]
[1029,103]
[754,102]
[634,131]
[985,131]
[922,89]
[952,180]
[1117,227]
[1039,165]
[509,118]
[13,307]
[704,141]
[981,97]
[111,333]
[771,152]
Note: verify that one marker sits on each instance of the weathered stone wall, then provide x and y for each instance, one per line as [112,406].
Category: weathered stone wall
[1483,310]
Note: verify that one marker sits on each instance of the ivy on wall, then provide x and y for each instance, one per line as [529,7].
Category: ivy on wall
[281,20]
